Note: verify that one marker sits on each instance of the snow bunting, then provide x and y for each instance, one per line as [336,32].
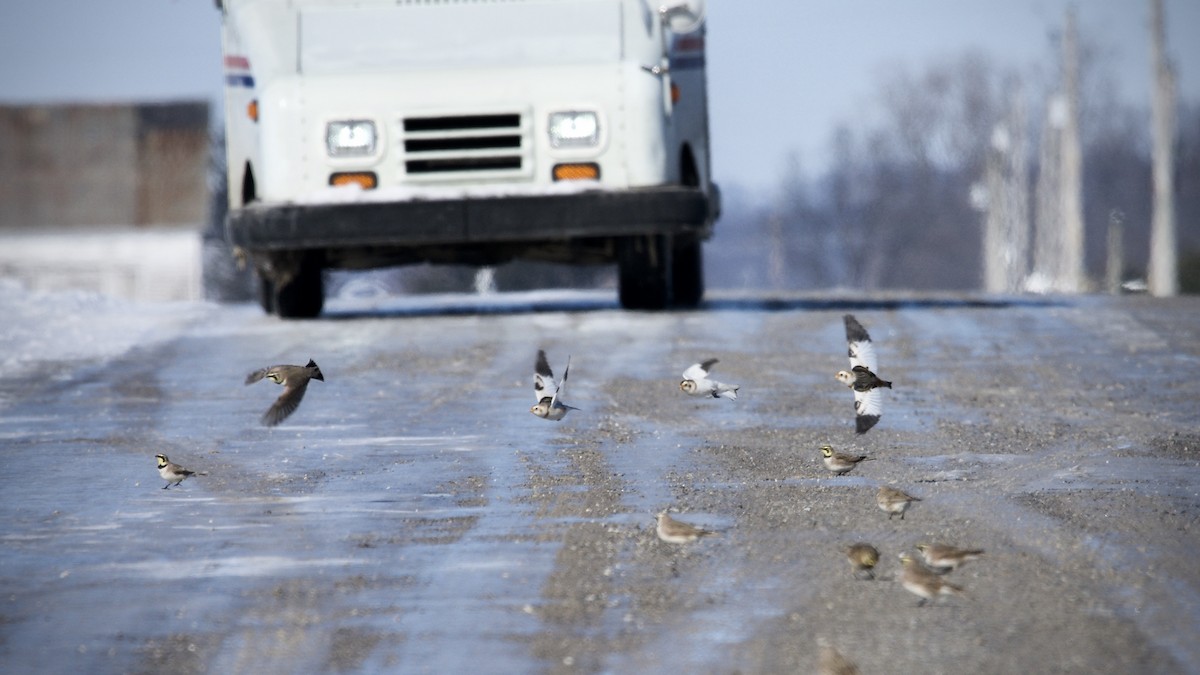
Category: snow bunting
[840,463]
[696,382]
[833,662]
[943,558]
[894,501]
[676,531]
[547,392]
[923,582]
[868,403]
[172,472]
[294,380]
[863,558]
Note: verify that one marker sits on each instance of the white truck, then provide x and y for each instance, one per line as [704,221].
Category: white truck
[377,133]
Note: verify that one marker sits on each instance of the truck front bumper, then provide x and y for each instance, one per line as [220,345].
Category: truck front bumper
[499,219]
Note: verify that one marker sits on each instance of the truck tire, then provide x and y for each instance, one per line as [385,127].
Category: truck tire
[644,272]
[687,273]
[303,296]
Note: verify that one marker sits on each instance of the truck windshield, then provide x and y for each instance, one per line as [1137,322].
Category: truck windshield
[450,35]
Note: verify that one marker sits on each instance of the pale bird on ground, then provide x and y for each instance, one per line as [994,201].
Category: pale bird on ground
[944,558]
[894,501]
[675,531]
[172,472]
[923,582]
[840,463]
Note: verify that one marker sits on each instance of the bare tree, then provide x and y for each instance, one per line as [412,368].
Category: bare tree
[1006,225]
[1163,272]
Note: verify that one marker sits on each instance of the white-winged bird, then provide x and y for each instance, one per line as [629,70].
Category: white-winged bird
[861,378]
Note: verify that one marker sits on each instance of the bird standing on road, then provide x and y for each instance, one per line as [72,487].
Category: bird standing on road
[172,472]
[923,582]
[676,531]
[295,381]
[863,558]
[861,378]
[696,383]
[832,662]
[547,392]
[943,558]
[894,501]
[840,463]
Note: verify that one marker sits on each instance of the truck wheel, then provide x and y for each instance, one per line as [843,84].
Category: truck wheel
[687,273]
[266,294]
[643,272]
[304,295]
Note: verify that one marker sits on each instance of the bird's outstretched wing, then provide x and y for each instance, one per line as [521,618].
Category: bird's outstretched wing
[699,371]
[868,406]
[286,404]
[861,350]
[544,385]
[562,386]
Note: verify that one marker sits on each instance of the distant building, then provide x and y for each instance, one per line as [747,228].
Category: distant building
[103,165]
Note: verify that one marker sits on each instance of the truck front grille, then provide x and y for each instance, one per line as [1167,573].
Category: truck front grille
[466,146]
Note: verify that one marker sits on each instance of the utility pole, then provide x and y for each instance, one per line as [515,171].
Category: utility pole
[1072,279]
[1163,270]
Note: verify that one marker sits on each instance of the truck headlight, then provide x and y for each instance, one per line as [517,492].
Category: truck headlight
[574,129]
[350,138]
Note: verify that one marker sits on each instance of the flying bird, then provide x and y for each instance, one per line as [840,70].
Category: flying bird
[861,378]
[676,531]
[696,383]
[840,463]
[295,381]
[172,472]
[547,392]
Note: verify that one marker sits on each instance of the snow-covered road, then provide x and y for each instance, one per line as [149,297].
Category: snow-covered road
[412,516]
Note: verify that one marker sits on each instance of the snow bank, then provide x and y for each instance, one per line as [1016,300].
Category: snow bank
[78,325]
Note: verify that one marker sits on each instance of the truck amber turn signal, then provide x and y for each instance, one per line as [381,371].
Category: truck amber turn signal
[586,171]
[364,179]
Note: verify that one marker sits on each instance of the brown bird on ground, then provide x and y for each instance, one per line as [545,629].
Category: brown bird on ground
[863,558]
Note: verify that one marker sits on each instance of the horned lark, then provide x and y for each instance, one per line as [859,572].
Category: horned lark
[923,582]
[294,380]
[833,662]
[547,392]
[943,558]
[696,383]
[894,501]
[863,558]
[676,531]
[172,472]
[840,463]
[868,402]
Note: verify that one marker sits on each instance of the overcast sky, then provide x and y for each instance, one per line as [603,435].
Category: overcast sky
[781,72]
